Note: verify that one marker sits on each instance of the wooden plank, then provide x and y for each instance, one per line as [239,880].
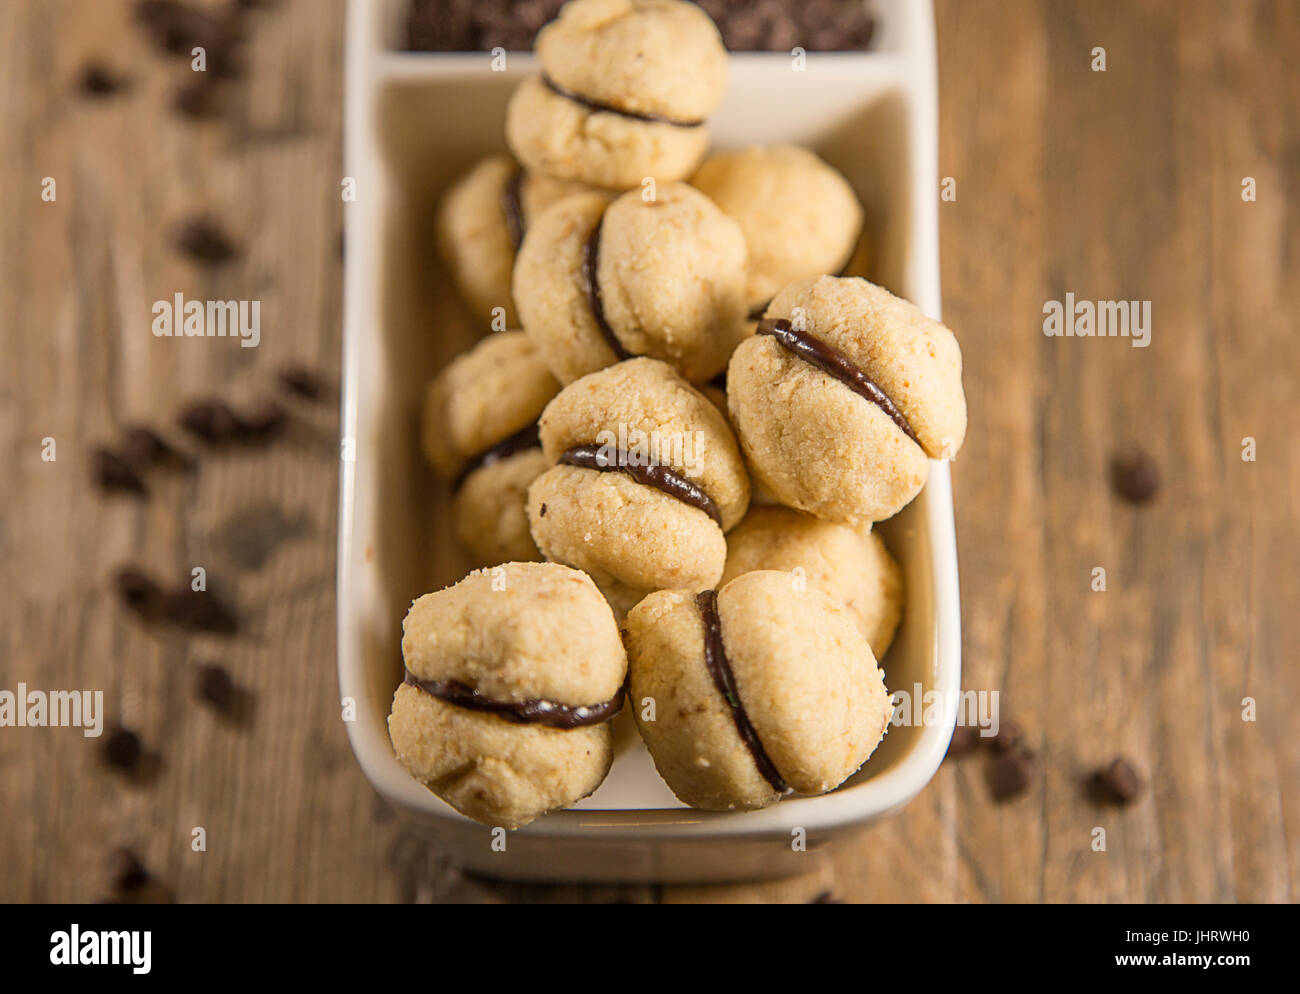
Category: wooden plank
[1122,184]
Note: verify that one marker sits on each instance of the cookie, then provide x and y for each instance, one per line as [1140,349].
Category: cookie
[763,687]
[512,676]
[480,433]
[666,278]
[850,564]
[623,94]
[841,397]
[480,224]
[646,477]
[800,217]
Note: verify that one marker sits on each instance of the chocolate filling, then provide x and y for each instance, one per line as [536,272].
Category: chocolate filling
[660,477]
[524,438]
[715,659]
[590,262]
[512,207]
[596,105]
[531,712]
[835,363]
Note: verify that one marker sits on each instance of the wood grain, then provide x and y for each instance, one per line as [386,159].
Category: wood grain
[1123,184]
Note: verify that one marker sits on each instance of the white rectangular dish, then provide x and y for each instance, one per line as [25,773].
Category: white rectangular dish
[414,121]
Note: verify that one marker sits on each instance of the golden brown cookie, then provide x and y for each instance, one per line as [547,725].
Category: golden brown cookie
[645,479]
[763,687]
[841,397]
[512,676]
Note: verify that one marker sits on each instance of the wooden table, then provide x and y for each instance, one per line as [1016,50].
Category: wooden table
[1122,184]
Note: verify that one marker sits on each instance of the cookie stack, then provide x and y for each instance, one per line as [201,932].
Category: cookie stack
[681,349]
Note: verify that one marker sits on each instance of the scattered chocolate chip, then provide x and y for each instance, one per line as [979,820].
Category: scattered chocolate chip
[112,472]
[198,99]
[825,897]
[215,686]
[964,740]
[126,872]
[122,749]
[1010,736]
[142,446]
[199,610]
[542,511]
[259,422]
[211,420]
[139,592]
[251,535]
[1134,476]
[177,28]
[1118,783]
[98,80]
[302,381]
[203,240]
[1011,773]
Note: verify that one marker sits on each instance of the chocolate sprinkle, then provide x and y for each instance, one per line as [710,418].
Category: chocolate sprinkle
[833,362]
[590,276]
[530,712]
[715,658]
[512,207]
[524,438]
[654,475]
[596,105]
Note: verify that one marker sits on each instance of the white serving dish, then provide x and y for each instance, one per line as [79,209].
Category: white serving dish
[413,122]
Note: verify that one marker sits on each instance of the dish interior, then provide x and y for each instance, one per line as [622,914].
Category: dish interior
[433,119]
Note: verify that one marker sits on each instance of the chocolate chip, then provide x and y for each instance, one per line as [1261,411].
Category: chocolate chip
[825,897]
[198,99]
[199,610]
[98,80]
[215,686]
[112,472]
[964,740]
[1134,476]
[1010,736]
[142,446]
[139,592]
[251,534]
[1011,773]
[470,25]
[541,513]
[122,749]
[302,381]
[177,28]
[203,240]
[1117,783]
[259,422]
[211,420]
[126,872]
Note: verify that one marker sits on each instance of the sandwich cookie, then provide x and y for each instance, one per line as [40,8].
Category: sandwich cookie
[646,478]
[511,678]
[842,395]
[480,433]
[745,694]
[598,283]
[800,217]
[480,224]
[850,564]
[624,91]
